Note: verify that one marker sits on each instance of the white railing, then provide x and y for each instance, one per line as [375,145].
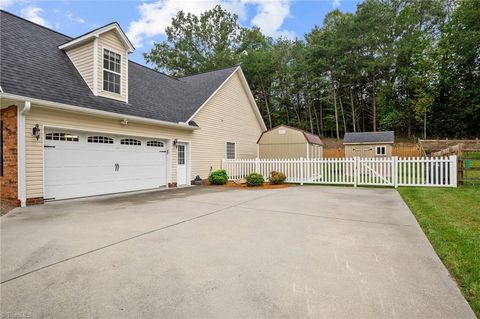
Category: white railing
[387,171]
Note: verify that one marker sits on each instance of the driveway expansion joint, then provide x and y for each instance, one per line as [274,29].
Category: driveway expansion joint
[131,238]
[323,216]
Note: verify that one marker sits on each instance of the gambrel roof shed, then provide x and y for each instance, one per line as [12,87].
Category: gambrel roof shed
[289,142]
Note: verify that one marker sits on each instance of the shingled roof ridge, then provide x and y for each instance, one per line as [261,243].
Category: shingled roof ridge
[211,71]
[155,71]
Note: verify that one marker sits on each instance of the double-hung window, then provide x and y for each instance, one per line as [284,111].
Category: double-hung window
[231,150]
[111,71]
[381,151]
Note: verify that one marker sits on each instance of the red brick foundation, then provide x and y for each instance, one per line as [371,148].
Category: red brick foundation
[35,201]
[204,182]
[9,178]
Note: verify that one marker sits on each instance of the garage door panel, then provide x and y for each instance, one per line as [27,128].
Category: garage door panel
[84,168]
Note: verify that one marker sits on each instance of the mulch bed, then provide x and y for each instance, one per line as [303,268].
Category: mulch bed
[264,186]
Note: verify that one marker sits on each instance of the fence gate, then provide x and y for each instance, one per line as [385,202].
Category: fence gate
[376,171]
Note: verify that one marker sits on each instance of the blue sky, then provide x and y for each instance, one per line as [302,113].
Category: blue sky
[145,21]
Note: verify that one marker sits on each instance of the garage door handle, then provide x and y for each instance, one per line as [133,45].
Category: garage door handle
[48,146]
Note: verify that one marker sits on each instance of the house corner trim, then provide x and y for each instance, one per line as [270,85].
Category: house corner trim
[21,136]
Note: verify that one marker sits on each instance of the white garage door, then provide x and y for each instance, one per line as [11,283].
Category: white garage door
[84,164]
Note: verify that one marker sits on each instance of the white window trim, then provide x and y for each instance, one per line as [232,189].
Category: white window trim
[103,69]
[226,150]
[377,148]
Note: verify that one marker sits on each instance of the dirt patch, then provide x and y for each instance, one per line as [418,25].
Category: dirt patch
[264,186]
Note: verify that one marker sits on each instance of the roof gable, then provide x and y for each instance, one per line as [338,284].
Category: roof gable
[199,79]
[114,26]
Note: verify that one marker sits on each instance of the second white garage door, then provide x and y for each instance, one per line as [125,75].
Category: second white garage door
[84,164]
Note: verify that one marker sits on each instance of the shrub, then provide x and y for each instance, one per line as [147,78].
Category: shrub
[254,179]
[219,177]
[277,177]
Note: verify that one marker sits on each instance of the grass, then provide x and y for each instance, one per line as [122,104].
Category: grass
[450,217]
[472,177]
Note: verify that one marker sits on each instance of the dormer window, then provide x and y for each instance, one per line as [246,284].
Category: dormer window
[111,71]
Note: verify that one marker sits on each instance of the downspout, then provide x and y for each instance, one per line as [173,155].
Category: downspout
[21,132]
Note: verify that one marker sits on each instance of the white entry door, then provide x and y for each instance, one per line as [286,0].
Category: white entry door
[182,161]
[81,164]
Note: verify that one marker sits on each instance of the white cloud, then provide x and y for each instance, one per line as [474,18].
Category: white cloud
[336,3]
[34,14]
[156,16]
[71,17]
[6,3]
[270,17]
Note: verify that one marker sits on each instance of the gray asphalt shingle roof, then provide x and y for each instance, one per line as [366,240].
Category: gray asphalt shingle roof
[33,66]
[369,137]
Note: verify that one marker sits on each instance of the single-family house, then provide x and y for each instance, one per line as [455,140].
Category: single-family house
[79,119]
[369,144]
[289,142]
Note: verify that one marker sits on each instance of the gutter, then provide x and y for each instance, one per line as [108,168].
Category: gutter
[79,109]
[367,143]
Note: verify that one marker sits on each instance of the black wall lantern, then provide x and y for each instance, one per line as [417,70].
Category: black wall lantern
[175,143]
[36,131]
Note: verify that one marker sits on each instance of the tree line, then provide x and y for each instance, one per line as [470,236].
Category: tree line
[412,66]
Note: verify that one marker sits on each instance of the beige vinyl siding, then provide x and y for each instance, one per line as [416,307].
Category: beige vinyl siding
[228,117]
[82,59]
[110,41]
[366,150]
[47,117]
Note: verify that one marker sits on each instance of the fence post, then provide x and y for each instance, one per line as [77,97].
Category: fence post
[395,171]
[257,165]
[355,171]
[453,170]
[301,170]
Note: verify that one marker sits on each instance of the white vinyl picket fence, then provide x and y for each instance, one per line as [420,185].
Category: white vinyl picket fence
[388,171]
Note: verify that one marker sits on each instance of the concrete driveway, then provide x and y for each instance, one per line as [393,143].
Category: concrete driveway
[214,252]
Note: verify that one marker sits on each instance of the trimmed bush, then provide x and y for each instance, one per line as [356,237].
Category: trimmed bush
[254,179]
[219,177]
[277,177]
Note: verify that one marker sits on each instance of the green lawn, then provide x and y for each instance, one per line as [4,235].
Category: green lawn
[450,217]
[472,177]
